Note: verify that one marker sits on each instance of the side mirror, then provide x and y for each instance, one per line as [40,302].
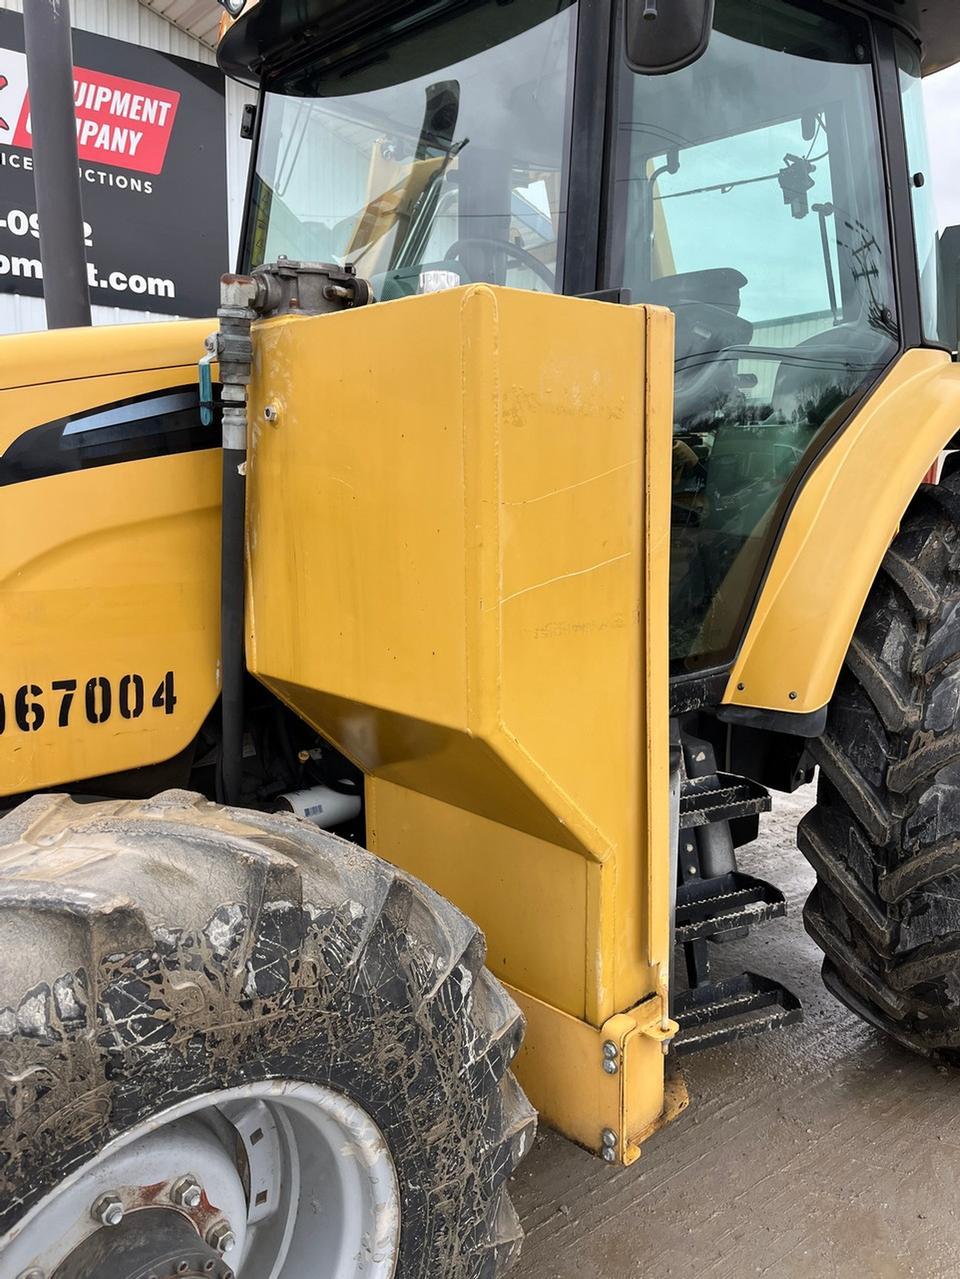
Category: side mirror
[666,35]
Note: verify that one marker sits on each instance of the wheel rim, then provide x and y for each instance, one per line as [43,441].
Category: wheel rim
[295,1180]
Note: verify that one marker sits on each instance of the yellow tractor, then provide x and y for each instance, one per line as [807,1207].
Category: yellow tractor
[548,489]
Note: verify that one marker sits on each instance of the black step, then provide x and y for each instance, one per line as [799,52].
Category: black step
[735,1008]
[720,797]
[708,908]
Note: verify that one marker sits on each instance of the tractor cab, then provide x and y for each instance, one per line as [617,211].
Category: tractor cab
[768,192]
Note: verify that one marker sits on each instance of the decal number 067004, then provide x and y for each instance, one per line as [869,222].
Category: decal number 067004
[94,702]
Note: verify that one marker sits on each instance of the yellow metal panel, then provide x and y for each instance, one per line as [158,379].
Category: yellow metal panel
[530,895]
[425,588]
[457,543]
[104,573]
[602,1087]
[62,355]
[838,531]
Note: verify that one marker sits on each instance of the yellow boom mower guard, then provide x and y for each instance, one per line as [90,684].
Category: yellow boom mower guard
[457,538]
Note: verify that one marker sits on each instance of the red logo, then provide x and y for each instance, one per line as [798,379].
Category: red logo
[120,122]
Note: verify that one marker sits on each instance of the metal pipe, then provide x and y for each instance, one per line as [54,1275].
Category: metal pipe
[56,172]
[321,806]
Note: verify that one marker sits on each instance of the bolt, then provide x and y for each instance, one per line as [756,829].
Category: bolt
[609,1137]
[187,1192]
[610,1066]
[221,1237]
[793,697]
[740,687]
[271,413]
[108,1210]
[610,1156]
[610,1049]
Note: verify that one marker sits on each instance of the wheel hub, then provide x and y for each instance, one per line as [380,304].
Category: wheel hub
[273,1178]
[154,1243]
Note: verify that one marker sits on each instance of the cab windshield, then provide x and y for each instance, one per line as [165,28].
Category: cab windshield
[434,160]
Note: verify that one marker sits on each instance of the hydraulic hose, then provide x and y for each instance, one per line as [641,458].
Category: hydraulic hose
[238,296]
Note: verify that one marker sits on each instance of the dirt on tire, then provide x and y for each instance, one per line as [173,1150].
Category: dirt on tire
[158,950]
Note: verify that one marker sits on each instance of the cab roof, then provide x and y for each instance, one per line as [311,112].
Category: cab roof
[270,34]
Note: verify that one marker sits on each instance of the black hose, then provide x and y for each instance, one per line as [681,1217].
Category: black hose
[238,295]
[233,656]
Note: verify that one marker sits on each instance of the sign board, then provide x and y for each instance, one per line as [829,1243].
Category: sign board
[152,153]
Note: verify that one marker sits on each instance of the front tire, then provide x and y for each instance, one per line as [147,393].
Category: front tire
[884,837]
[170,962]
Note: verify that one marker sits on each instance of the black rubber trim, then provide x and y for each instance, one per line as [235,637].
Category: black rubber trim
[906,271]
[588,129]
[244,249]
[795,724]
[82,441]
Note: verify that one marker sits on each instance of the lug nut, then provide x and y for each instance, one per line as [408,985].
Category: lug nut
[221,1237]
[187,1192]
[108,1210]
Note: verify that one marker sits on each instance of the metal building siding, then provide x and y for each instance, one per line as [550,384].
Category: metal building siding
[129,20]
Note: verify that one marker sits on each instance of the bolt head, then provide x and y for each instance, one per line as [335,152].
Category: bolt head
[108,1210]
[221,1237]
[610,1049]
[609,1137]
[609,1155]
[187,1192]
[610,1066]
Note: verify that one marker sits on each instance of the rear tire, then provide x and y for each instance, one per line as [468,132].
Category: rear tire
[157,951]
[884,837]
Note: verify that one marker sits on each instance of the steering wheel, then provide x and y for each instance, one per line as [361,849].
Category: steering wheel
[514,251]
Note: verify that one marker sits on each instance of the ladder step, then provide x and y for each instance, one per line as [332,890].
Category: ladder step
[710,907]
[735,1008]
[720,797]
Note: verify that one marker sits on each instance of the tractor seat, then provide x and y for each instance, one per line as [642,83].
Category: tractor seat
[706,305]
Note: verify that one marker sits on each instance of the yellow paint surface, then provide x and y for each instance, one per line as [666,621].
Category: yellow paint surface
[842,522]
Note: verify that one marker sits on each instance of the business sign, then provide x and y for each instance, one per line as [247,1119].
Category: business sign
[152,156]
